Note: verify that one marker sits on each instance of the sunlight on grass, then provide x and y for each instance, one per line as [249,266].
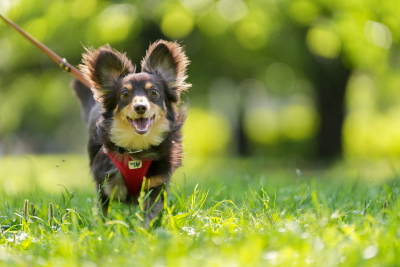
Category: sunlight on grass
[48,173]
[218,212]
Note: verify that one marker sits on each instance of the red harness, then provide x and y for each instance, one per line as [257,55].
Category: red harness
[133,172]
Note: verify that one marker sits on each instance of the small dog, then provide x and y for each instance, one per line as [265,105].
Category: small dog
[134,121]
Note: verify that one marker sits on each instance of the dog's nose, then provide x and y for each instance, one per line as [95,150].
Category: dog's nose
[140,108]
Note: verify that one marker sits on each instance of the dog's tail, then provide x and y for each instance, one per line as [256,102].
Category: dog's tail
[85,97]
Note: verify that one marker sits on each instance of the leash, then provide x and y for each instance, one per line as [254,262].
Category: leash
[133,171]
[62,62]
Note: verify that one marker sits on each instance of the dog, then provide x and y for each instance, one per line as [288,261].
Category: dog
[134,122]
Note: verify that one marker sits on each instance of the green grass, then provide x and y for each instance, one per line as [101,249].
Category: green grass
[219,212]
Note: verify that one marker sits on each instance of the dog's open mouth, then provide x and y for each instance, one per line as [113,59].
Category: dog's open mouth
[141,125]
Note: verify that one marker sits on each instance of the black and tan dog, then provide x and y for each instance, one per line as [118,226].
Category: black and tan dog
[134,121]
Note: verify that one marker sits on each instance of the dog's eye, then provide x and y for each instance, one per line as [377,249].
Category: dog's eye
[124,95]
[153,93]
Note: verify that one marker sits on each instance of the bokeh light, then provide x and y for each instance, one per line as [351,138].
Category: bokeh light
[323,42]
[5,52]
[299,122]
[280,78]
[303,11]
[205,134]
[251,34]
[256,69]
[378,34]
[368,131]
[115,22]
[83,9]
[38,28]
[232,10]
[212,24]
[177,23]
[262,126]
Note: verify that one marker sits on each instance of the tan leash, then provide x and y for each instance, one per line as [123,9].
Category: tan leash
[62,62]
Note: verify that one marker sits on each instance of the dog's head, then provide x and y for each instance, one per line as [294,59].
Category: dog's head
[140,105]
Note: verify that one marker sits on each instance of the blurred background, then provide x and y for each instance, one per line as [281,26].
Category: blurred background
[313,79]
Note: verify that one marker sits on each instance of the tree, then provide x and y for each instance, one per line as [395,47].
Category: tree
[302,54]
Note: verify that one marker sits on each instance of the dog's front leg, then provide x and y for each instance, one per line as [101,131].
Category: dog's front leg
[112,188]
[153,204]
[103,204]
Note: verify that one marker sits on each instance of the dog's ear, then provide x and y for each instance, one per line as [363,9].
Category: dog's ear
[103,67]
[168,60]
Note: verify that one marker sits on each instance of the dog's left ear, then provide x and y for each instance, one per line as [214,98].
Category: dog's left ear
[168,60]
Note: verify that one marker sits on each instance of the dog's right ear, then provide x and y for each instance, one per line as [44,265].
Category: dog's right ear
[103,67]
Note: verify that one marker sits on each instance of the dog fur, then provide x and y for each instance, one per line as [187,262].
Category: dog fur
[128,111]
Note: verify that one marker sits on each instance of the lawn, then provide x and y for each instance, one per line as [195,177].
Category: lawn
[218,212]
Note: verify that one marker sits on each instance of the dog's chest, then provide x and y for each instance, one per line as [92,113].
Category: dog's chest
[133,171]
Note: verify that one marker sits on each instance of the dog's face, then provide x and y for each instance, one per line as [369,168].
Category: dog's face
[141,102]
[140,117]
[140,105]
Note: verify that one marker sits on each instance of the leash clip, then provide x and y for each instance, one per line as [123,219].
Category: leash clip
[64,65]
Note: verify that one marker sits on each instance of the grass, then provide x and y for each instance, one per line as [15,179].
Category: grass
[219,212]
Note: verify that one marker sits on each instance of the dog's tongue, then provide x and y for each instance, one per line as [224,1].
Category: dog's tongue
[141,124]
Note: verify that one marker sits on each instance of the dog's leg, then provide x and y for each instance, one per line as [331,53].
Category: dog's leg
[153,205]
[103,202]
[104,208]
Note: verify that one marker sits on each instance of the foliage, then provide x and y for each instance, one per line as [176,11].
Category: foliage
[241,213]
[248,56]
